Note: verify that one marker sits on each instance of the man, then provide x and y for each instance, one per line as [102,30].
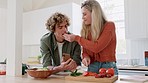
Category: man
[53,45]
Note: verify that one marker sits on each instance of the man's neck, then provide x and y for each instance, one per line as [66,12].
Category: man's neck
[60,40]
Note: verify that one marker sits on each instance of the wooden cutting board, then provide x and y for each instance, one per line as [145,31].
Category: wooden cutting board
[92,79]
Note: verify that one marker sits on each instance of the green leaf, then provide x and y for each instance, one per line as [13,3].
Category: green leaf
[75,73]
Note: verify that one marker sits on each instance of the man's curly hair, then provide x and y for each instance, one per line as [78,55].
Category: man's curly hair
[56,19]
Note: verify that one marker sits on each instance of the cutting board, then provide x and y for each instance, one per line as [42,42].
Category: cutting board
[92,79]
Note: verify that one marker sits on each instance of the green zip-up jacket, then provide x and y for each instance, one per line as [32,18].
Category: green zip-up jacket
[50,53]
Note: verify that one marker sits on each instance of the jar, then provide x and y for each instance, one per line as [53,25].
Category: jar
[146,58]
[2,68]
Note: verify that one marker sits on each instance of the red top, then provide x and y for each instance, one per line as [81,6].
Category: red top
[103,50]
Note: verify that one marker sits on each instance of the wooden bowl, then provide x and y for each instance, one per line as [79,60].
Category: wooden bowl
[39,74]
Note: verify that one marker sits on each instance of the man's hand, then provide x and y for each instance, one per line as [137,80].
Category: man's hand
[65,57]
[71,66]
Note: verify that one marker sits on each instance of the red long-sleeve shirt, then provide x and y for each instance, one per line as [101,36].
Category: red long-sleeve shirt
[102,50]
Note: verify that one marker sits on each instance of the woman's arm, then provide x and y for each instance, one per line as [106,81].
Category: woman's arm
[102,41]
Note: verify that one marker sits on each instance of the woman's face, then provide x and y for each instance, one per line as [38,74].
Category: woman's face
[60,30]
[86,16]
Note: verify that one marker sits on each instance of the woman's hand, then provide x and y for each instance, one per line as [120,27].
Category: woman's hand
[69,37]
[86,61]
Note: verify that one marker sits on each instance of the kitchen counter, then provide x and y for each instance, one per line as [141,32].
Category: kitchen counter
[50,79]
[138,70]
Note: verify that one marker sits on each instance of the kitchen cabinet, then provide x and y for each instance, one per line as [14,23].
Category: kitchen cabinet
[136,18]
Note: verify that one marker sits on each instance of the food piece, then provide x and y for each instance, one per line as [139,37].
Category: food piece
[75,73]
[42,69]
[103,75]
[65,57]
[102,71]
[87,73]
[97,76]
[108,75]
[110,71]
[92,74]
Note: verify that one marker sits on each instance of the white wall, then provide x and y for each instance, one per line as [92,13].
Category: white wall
[34,22]
[3,34]
[34,25]
[30,51]
[3,3]
[76,21]
[30,5]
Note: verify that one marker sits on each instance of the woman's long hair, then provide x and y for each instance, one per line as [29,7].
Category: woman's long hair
[98,20]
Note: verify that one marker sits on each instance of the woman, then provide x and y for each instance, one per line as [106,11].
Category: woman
[98,38]
[53,45]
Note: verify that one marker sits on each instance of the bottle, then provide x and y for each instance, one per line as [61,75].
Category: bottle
[2,68]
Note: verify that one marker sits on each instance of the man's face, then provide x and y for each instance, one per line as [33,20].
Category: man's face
[60,30]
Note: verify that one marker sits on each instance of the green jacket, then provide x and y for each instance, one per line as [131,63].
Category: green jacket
[50,53]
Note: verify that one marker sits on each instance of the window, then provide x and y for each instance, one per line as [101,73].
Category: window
[114,11]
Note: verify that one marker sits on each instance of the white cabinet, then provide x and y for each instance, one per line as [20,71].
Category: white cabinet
[3,13]
[136,19]
[146,4]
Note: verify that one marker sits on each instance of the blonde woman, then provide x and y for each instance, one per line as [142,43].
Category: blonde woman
[98,38]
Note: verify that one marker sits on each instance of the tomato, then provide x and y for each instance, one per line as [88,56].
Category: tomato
[97,76]
[86,73]
[100,75]
[108,76]
[110,71]
[102,71]
[92,74]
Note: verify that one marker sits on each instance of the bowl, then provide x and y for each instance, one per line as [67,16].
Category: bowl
[39,73]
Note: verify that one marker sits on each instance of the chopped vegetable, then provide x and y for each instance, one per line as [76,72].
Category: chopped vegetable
[76,73]
[42,69]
